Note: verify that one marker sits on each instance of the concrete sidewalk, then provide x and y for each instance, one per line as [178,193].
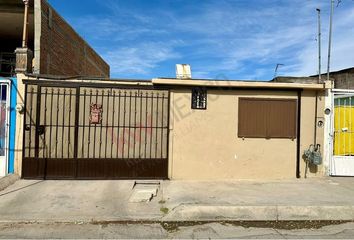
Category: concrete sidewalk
[299,199]
[8,181]
[87,201]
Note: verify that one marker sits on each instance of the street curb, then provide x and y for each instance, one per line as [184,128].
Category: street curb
[8,180]
[131,221]
[207,213]
[260,213]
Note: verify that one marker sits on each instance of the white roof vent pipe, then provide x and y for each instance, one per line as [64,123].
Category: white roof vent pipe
[183,71]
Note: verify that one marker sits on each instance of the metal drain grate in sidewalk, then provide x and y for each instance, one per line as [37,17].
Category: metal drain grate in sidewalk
[144,191]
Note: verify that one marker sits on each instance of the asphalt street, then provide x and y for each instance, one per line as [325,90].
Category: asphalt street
[161,231]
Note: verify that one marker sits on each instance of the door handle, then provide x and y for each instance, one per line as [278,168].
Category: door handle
[27,127]
[345,129]
[40,130]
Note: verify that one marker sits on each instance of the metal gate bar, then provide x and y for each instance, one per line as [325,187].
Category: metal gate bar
[129,141]
[127,125]
[342,132]
[343,126]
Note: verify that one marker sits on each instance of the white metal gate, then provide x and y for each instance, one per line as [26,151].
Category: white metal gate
[4,125]
[342,127]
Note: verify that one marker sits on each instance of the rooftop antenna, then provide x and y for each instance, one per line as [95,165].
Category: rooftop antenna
[276,69]
[319,44]
[330,39]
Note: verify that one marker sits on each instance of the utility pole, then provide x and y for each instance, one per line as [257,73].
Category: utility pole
[330,39]
[319,44]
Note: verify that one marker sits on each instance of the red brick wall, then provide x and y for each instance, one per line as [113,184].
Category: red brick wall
[63,51]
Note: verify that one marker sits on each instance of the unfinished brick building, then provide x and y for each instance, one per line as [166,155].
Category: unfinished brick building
[54,45]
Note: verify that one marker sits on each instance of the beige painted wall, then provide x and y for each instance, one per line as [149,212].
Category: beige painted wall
[307,130]
[204,143]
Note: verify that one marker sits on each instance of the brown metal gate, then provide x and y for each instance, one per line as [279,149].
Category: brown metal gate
[127,139]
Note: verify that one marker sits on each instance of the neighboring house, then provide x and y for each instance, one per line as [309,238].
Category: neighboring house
[55,46]
[46,45]
[339,121]
[341,129]
[343,79]
[170,129]
[8,91]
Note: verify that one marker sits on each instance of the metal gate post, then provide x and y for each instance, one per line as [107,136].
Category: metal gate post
[36,143]
[24,130]
[76,133]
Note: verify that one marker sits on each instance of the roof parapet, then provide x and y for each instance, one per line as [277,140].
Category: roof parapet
[237,84]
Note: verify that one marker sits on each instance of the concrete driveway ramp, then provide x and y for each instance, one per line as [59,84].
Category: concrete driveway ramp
[144,191]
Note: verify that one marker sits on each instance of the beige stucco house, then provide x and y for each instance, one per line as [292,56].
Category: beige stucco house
[94,127]
[281,123]
[168,129]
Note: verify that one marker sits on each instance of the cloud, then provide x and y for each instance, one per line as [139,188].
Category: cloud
[237,39]
[111,29]
[306,60]
[141,58]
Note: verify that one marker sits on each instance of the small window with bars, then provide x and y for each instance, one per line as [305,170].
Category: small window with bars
[199,98]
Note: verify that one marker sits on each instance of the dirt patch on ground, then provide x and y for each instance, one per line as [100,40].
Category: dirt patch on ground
[286,225]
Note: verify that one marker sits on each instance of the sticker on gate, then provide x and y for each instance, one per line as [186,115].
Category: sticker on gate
[95,113]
